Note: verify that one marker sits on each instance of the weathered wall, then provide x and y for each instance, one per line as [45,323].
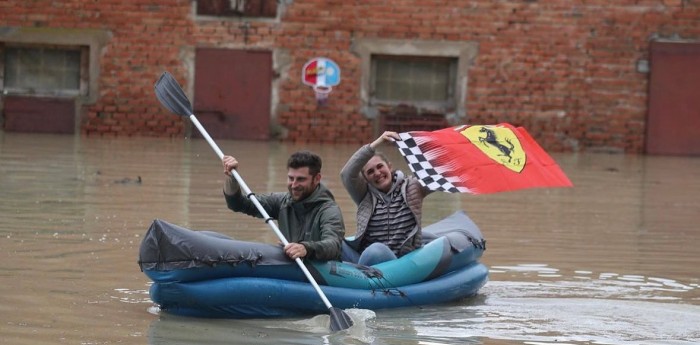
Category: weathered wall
[564,69]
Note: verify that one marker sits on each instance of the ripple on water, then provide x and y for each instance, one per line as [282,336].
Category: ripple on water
[610,308]
[601,321]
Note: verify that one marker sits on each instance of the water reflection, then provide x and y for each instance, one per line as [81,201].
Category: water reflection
[606,285]
[170,329]
[612,261]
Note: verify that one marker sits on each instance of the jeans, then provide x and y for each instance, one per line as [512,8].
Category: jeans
[372,255]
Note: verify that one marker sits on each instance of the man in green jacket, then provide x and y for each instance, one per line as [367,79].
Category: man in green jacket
[307,215]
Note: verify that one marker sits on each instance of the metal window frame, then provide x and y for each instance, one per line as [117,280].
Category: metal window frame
[237,9]
[94,41]
[83,70]
[464,51]
[448,103]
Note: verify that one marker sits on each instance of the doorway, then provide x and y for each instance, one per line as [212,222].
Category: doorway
[674,102]
[232,93]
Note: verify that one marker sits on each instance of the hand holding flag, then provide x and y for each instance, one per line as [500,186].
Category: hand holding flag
[479,159]
[387,136]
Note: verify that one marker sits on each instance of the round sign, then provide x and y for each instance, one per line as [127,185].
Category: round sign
[321,72]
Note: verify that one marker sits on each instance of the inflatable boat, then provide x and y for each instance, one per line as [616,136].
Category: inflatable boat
[208,274]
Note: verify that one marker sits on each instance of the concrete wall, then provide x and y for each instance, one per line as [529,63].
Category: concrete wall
[567,70]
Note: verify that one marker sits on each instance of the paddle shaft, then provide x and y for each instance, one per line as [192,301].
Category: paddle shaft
[268,220]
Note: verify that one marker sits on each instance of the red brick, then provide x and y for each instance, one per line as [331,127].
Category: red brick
[534,58]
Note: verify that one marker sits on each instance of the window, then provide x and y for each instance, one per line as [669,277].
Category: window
[237,8]
[413,78]
[45,62]
[43,70]
[416,79]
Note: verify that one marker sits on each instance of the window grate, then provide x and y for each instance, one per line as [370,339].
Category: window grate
[237,8]
[42,70]
[413,78]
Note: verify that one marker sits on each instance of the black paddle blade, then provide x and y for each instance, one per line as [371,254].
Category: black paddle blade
[339,320]
[171,96]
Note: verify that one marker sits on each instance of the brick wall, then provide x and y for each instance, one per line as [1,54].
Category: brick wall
[564,69]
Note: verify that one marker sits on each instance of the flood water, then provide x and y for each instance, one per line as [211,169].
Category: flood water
[614,260]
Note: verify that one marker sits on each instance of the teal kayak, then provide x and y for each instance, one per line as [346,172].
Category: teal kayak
[208,274]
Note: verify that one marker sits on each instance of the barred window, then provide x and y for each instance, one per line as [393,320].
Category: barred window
[413,78]
[237,8]
[42,70]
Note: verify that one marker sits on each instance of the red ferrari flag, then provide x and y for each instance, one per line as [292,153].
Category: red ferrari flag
[479,159]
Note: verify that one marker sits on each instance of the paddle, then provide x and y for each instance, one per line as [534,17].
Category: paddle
[170,95]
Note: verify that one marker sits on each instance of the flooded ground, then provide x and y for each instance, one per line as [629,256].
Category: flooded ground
[615,260]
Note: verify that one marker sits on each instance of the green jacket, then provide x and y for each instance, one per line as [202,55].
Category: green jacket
[315,222]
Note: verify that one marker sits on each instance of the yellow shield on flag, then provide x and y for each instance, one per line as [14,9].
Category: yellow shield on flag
[498,143]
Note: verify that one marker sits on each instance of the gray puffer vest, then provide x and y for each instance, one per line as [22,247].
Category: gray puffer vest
[358,188]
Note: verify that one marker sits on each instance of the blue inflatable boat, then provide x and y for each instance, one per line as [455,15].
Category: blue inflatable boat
[208,274]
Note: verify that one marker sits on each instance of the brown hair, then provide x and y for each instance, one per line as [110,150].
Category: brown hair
[305,159]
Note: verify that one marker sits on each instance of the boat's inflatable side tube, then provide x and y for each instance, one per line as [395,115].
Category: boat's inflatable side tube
[417,266]
[262,297]
[170,253]
[169,247]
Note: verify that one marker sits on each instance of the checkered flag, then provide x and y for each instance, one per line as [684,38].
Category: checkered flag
[479,159]
[421,166]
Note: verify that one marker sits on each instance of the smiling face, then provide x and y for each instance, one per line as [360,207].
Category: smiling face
[377,171]
[301,183]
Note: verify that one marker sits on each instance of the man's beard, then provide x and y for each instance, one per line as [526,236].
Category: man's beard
[303,193]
